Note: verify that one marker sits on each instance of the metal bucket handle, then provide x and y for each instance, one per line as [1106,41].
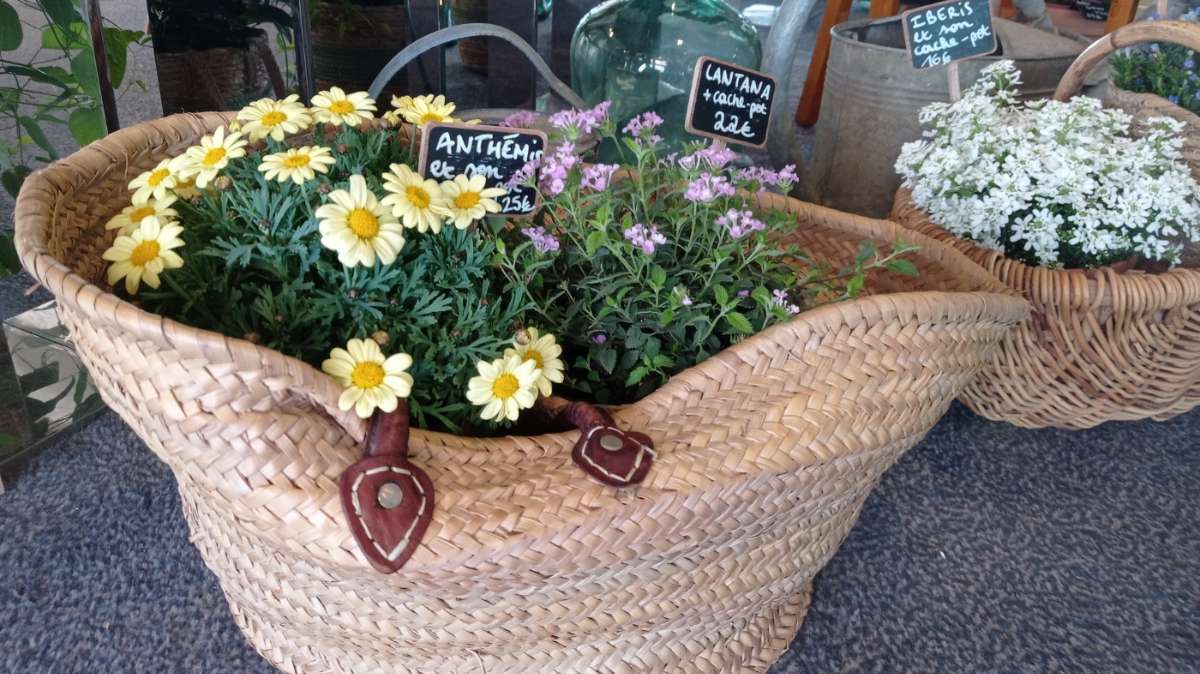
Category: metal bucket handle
[1179,32]
[468,30]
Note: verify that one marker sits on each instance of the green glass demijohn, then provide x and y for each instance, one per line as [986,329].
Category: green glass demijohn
[641,54]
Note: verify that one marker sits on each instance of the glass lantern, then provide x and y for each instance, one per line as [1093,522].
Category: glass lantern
[641,55]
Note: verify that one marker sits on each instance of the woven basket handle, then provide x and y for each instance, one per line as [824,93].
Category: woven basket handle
[467,30]
[1179,32]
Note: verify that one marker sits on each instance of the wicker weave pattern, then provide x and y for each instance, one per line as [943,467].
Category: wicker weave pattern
[1099,347]
[766,453]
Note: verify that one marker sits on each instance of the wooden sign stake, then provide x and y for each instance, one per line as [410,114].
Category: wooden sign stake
[955,85]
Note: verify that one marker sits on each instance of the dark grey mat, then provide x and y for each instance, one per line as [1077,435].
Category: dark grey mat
[986,549]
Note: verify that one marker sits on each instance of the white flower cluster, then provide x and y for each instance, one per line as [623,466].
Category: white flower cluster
[1050,183]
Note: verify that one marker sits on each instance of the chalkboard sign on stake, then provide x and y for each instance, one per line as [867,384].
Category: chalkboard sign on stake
[730,103]
[948,32]
[496,152]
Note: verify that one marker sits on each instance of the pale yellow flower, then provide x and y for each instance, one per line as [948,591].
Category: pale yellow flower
[545,354]
[413,199]
[275,118]
[504,387]
[204,161]
[132,215]
[372,381]
[144,254]
[297,164]
[155,183]
[468,199]
[421,110]
[185,188]
[336,107]
[358,227]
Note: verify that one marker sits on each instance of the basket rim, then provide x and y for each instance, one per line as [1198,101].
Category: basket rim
[34,212]
[1133,292]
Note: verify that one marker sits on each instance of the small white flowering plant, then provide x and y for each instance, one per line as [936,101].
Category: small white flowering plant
[650,267]
[1050,183]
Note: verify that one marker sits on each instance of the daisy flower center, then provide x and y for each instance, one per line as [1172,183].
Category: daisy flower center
[273,118]
[505,386]
[157,177]
[536,358]
[418,197]
[143,253]
[367,375]
[296,161]
[363,223]
[466,200]
[141,213]
[429,117]
[341,107]
[214,156]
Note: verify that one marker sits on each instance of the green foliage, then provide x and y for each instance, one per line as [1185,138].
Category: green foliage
[1167,70]
[255,268]
[630,314]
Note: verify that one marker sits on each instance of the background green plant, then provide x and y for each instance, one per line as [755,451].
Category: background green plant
[255,269]
[57,85]
[1167,70]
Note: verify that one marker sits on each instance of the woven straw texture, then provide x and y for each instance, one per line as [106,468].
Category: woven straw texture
[765,454]
[1100,345]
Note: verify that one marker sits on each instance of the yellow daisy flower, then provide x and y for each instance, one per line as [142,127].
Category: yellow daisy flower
[468,199]
[336,107]
[371,380]
[204,161]
[504,387]
[544,352]
[277,119]
[155,183]
[185,188]
[358,227]
[132,215]
[144,254]
[413,199]
[421,110]
[297,164]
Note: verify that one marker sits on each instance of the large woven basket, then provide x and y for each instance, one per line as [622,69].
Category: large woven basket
[765,454]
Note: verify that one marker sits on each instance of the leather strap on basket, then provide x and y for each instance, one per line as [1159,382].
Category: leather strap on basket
[1183,33]
[607,453]
[387,500]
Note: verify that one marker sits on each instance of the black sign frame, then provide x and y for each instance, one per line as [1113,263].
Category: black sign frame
[696,105]
[429,139]
[906,20]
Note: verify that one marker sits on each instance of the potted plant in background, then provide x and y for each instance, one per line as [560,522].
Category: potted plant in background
[1085,213]
[215,54]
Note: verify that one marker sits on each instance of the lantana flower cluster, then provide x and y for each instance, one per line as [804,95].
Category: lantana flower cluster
[649,267]
[1050,183]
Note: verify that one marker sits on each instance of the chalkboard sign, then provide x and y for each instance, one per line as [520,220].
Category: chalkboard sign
[494,152]
[941,34]
[730,103]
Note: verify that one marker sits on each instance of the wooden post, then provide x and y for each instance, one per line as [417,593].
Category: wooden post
[1120,13]
[955,85]
[836,12]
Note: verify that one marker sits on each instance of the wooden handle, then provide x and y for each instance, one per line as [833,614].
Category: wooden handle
[1183,33]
